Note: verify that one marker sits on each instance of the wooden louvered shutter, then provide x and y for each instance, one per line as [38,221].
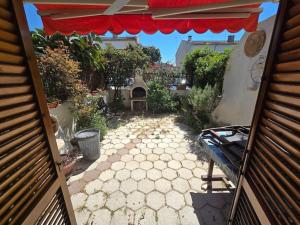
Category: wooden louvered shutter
[32,188]
[269,184]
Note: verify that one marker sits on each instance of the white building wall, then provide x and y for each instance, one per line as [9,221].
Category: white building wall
[238,100]
[118,44]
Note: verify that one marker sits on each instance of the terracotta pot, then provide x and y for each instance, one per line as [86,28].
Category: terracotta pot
[53,105]
[181,87]
[68,168]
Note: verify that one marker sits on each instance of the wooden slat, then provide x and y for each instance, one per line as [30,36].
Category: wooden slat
[14,90]
[6,25]
[283,109]
[14,132]
[262,147]
[294,11]
[17,110]
[7,36]
[267,197]
[19,140]
[9,79]
[15,100]
[18,120]
[282,131]
[10,58]
[291,124]
[286,88]
[290,45]
[288,66]
[5,68]
[5,14]
[4,3]
[294,101]
[10,48]
[287,77]
[291,33]
[286,158]
[280,142]
[293,22]
[4,184]
[275,187]
[31,152]
[289,56]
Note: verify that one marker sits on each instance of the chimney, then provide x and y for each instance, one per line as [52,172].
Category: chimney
[189,38]
[230,38]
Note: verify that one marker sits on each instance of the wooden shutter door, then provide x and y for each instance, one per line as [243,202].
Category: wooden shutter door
[269,185]
[32,188]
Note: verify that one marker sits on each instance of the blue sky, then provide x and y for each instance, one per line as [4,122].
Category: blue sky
[167,44]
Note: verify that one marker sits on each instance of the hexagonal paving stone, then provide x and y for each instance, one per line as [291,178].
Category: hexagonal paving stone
[195,184]
[178,156]
[111,151]
[170,150]
[198,172]
[119,146]
[154,174]
[134,151]
[117,166]
[107,175]
[111,186]
[139,157]
[135,200]
[158,151]
[127,158]
[115,201]
[162,145]
[132,165]
[138,174]
[155,200]
[163,185]
[141,145]
[180,185]
[188,216]
[146,186]
[146,151]
[145,216]
[151,145]
[82,216]
[191,156]
[165,157]
[167,216]
[123,216]
[185,173]
[175,200]
[146,165]
[100,217]
[174,164]
[174,145]
[123,174]
[161,165]
[152,157]
[78,200]
[93,186]
[169,174]
[95,201]
[188,164]
[128,186]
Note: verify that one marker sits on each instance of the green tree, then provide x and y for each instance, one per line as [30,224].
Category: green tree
[120,65]
[190,62]
[205,66]
[210,69]
[153,53]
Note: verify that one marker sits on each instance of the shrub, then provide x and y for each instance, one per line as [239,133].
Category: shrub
[60,75]
[198,106]
[160,99]
[87,115]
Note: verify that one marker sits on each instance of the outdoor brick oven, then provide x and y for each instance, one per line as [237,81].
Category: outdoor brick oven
[138,93]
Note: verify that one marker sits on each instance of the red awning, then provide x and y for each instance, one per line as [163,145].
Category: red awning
[165,16]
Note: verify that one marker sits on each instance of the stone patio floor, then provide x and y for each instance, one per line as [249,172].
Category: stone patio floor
[148,174]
